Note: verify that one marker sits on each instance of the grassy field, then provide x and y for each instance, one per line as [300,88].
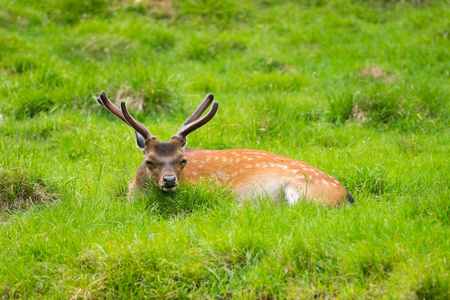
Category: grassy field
[358,89]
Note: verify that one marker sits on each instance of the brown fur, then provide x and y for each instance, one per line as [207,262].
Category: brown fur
[161,159]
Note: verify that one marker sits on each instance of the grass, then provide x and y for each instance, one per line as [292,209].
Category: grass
[17,192]
[359,89]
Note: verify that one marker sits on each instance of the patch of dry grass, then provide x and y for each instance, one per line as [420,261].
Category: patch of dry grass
[376,73]
[133,99]
[161,9]
[19,192]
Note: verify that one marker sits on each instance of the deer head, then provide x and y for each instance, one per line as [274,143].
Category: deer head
[164,160]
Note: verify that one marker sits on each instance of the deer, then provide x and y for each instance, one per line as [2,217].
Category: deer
[249,174]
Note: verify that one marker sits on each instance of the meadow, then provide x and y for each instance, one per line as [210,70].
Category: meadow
[358,89]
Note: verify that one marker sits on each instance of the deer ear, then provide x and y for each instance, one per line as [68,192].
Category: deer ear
[183,147]
[139,140]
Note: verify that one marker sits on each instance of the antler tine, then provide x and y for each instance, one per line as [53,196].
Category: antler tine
[104,101]
[139,127]
[200,109]
[130,121]
[187,128]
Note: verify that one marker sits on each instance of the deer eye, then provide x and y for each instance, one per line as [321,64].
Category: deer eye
[183,162]
[149,164]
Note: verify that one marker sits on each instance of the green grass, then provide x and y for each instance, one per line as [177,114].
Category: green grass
[359,89]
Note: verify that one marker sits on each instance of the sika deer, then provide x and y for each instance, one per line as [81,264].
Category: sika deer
[249,173]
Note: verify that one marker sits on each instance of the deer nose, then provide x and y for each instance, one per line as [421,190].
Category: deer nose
[169,181]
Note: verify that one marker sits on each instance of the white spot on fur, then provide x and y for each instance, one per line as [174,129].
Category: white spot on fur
[249,159]
[248,166]
[291,195]
[294,172]
[221,176]
[334,184]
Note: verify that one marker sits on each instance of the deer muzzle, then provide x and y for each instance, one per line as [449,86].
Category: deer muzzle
[169,183]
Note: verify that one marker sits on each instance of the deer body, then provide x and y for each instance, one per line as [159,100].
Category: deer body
[255,173]
[249,173]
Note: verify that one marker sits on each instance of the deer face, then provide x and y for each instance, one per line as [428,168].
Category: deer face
[165,162]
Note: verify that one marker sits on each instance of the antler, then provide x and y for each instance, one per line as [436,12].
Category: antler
[139,127]
[124,115]
[192,123]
